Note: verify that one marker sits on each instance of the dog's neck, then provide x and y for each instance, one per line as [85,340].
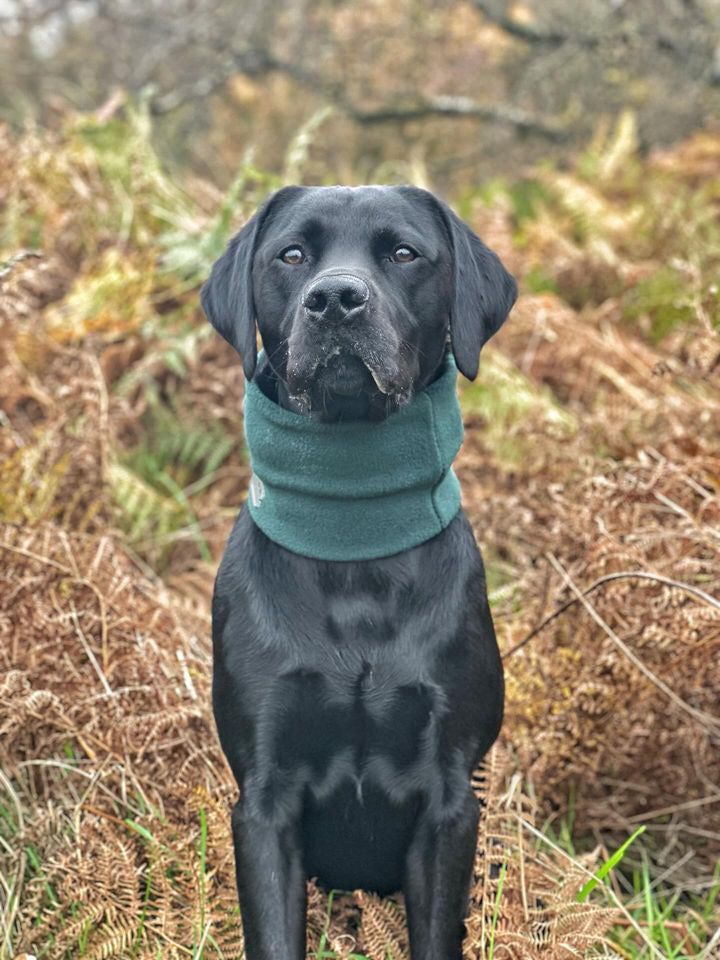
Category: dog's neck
[355,490]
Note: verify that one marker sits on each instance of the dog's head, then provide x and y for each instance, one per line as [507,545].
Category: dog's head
[354,290]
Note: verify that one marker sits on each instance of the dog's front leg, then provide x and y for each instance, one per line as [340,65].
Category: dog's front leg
[437,881]
[271,888]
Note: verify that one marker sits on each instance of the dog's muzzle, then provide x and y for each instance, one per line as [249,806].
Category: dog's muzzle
[339,345]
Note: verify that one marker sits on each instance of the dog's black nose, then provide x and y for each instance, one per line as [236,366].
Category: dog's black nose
[339,296]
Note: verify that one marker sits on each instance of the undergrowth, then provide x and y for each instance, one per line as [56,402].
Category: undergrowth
[591,475]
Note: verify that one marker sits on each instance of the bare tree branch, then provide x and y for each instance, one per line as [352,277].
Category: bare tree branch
[555,38]
[33,15]
[528,32]
[447,106]
[523,31]
[254,63]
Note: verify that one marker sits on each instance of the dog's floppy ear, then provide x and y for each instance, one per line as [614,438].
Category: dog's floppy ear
[483,296]
[227,295]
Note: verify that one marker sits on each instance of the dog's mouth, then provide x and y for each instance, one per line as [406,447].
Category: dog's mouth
[343,374]
[347,376]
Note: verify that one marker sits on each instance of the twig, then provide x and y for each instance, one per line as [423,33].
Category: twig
[523,31]
[449,106]
[521,857]
[674,808]
[13,894]
[101,813]
[608,578]
[7,266]
[69,768]
[88,651]
[705,719]
[711,946]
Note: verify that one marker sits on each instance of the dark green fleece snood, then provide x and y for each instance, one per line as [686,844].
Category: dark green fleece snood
[356,490]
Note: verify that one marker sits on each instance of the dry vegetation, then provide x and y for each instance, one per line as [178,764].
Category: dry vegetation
[591,472]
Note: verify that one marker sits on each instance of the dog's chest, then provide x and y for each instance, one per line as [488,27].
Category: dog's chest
[377,718]
[366,686]
[329,674]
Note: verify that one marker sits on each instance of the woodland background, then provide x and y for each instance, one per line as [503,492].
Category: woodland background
[582,142]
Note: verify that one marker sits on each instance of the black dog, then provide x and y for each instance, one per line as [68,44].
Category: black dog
[354,699]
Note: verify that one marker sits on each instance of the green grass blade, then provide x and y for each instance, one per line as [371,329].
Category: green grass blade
[607,867]
[496,911]
[143,831]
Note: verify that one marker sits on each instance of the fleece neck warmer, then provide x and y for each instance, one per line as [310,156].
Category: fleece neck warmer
[355,490]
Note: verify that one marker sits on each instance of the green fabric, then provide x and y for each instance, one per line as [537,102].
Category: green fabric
[356,490]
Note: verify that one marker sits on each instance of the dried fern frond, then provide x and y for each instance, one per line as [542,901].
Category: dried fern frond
[383,929]
[523,903]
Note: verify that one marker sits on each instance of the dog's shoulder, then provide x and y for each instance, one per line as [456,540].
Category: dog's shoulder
[273,593]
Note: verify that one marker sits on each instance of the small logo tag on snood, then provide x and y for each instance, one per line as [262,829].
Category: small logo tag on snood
[257,490]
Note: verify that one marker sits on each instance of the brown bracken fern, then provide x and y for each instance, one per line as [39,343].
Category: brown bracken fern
[591,450]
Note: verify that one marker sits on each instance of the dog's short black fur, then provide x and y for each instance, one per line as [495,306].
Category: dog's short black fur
[354,699]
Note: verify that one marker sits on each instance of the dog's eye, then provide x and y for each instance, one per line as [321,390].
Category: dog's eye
[293,256]
[403,254]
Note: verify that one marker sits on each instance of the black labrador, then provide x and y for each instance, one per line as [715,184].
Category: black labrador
[309,669]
